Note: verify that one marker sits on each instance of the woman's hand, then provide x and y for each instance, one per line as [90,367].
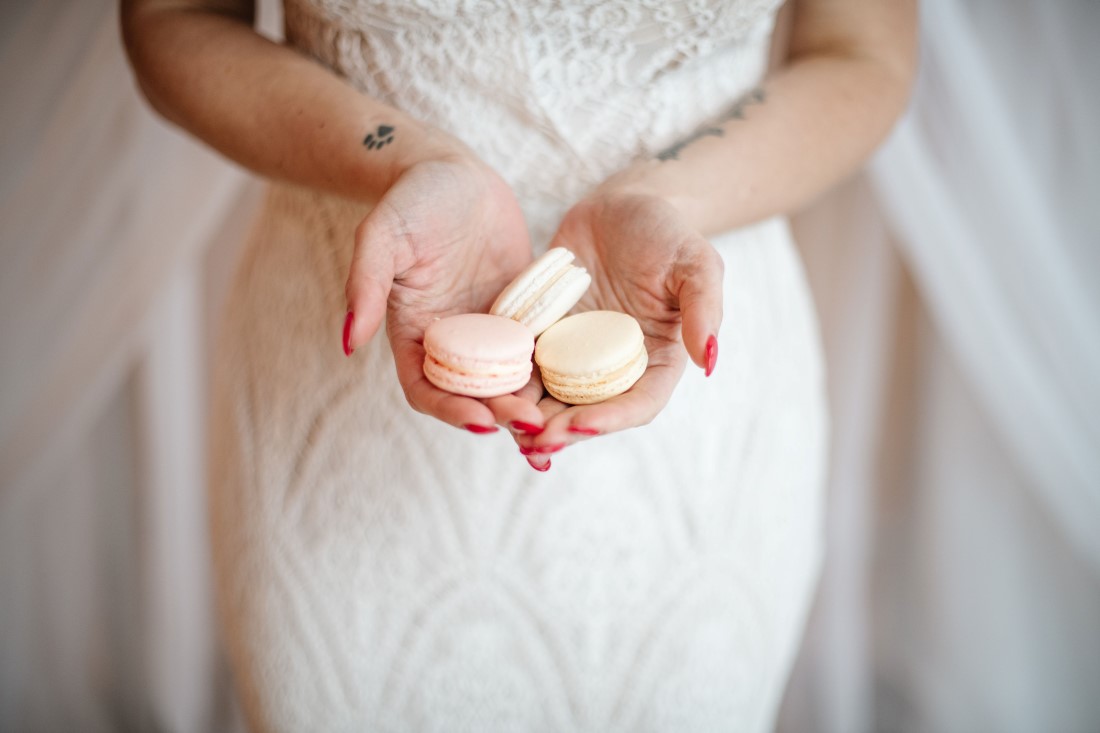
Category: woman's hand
[645,260]
[444,239]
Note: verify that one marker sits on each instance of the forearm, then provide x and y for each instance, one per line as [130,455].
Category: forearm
[811,123]
[268,107]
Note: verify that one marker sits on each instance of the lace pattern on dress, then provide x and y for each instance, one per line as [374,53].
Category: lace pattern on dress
[554,95]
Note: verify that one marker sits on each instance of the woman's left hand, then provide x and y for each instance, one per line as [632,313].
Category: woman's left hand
[648,261]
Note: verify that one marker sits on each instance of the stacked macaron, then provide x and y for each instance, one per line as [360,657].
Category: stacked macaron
[583,359]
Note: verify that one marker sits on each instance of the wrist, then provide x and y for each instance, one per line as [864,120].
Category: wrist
[428,144]
[390,144]
[649,178]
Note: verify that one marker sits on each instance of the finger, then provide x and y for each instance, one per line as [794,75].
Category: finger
[698,282]
[531,444]
[516,413]
[532,391]
[539,463]
[370,279]
[423,396]
[637,406]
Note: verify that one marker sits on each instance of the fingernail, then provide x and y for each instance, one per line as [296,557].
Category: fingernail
[541,469]
[582,430]
[480,429]
[549,448]
[711,355]
[526,451]
[526,427]
[348,320]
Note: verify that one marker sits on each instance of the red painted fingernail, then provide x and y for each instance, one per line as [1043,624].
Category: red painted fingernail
[712,354]
[542,469]
[480,429]
[526,427]
[347,333]
[582,430]
[525,451]
[549,448]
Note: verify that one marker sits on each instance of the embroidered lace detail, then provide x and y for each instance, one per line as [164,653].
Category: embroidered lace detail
[555,95]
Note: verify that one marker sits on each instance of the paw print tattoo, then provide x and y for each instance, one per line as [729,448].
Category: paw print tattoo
[379,138]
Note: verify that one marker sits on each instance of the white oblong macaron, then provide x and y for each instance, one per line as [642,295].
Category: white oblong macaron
[544,291]
[478,355]
[591,356]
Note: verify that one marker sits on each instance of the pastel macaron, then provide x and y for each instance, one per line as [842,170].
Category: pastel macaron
[544,291]
[591,356]
[478,355]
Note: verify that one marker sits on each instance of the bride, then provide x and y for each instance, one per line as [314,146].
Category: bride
[379,569]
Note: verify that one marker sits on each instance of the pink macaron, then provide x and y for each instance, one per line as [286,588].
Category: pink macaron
[478,355]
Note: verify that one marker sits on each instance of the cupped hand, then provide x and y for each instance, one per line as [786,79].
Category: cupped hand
[443,240]
[647,261]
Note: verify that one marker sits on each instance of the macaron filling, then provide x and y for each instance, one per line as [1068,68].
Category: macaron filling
[555,299]
[590,388]
[476,383]
[544,292]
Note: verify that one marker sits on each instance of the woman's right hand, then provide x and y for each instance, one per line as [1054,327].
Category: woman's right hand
[445,239]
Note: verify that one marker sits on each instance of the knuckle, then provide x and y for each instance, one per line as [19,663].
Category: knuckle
[717,264]
[713,261]
[362,231]
[416,401]
[350,290]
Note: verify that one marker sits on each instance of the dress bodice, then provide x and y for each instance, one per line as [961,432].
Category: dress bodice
[554,94]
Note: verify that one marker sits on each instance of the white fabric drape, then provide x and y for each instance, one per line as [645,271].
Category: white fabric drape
[991,184]
[106,214]
[962,589]
[963,586]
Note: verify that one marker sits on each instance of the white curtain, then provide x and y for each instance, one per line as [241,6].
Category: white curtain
[108,284]
[959,286]
[992,185]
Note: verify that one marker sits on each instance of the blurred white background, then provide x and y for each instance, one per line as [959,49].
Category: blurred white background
[958,280]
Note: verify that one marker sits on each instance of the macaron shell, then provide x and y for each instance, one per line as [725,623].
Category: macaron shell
[556,301]
[590,343]
[479,343]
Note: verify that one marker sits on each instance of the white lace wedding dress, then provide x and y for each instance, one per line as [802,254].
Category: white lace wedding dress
[381,571]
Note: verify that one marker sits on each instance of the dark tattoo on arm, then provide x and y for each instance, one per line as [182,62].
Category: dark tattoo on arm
[736,112]
[673,152]
[379,138]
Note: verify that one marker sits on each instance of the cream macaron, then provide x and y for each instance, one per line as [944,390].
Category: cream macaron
[544,291]
[591,356]
[478,355]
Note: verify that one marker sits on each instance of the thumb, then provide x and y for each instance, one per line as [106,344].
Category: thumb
[699,278]
[369,282]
